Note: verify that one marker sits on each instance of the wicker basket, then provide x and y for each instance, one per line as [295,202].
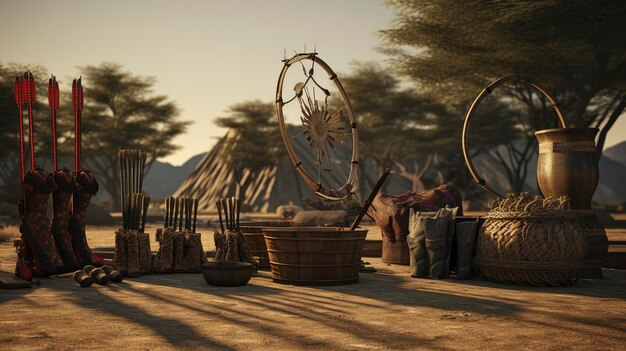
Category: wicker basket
[531,242]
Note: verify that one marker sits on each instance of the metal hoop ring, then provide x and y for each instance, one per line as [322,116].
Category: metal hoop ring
[318,188]
[513,78]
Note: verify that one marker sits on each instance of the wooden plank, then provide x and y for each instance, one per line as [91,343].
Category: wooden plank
[10,281]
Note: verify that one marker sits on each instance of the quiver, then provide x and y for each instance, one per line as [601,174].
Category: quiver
[35,227]
[61,198]
[86,188]
[133,256]
[220,246]
[189,254]
[164,259]
[231,246]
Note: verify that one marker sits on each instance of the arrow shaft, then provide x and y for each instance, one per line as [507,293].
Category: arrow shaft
[22,156]
[76,140]
[54,139]
[31,139]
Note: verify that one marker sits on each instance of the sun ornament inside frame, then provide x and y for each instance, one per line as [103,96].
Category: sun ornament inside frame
[323,125]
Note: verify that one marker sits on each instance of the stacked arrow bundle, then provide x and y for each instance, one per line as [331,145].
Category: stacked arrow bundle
[181,211]
[230,244]
[180,247]
[132,166]
[133,256]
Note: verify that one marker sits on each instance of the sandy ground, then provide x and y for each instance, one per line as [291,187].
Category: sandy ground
[387,310]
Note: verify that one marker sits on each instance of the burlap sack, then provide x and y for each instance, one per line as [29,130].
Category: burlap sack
[416,241]
[465,243]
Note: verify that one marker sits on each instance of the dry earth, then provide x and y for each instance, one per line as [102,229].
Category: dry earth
[387,310]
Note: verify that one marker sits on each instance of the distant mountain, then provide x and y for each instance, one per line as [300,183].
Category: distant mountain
[161,181]
[610,190]
[617,153]
[163,178]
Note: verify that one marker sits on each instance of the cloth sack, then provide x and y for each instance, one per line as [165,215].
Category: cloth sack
[465,243]
[430,239]
[416,241]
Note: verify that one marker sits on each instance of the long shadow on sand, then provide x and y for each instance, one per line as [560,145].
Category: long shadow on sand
[613,285]
[175,331]
[330,307]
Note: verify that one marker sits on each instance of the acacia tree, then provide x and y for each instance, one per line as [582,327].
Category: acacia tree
[257,139]
[452,49]
[395,123]
[122,111]
[404,128]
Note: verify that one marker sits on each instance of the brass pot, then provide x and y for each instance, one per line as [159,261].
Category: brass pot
[567,164]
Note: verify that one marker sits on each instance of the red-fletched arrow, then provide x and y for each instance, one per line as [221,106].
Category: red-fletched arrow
[19,101]
[53,102]
[78,103]
[29,95]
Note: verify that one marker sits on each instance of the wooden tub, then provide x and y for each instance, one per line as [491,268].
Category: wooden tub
[252,232]
[314,255]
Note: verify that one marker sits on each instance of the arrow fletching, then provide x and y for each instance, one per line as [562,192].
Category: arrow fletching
[18,90]
[81,95]
[53,93]
[74,105]
[78,96]
[25,88]
[31,83]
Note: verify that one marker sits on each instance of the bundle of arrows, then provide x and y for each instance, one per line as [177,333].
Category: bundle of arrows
[181,212]
[132,166]
[230,244]
[133,256]
[180,246]
[44,249]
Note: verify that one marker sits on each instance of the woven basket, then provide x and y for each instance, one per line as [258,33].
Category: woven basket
[530,241]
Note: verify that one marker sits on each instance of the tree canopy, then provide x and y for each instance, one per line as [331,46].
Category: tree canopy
[453,49]
[123,112]
[9,132]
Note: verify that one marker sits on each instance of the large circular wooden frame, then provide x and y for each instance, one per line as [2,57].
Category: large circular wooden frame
[319,189]
[508,79]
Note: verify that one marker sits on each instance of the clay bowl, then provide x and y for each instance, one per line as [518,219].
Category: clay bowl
[227,273]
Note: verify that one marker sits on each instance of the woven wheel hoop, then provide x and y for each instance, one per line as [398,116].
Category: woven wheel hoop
[318,188]
[513,78]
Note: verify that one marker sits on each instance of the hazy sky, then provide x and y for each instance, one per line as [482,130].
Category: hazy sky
[206,55]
